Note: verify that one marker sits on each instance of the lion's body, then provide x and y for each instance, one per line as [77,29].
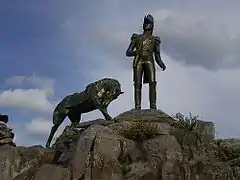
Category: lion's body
[97,95]
[72,104]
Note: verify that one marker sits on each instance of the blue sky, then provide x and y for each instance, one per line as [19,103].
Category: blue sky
[49,49]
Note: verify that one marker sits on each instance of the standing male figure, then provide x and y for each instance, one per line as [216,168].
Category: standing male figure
[142,48]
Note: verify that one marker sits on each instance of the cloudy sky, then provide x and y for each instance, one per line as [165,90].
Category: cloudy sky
[52,48]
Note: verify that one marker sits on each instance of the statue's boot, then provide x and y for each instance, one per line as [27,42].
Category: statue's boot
[137,95]
[152,95]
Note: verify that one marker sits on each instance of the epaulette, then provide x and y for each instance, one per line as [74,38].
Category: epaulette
[158,40]
[134,35]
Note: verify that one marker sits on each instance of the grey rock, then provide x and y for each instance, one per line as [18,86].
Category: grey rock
[52,172]
[140,171]
[153,115]
[6,134]
[20,162]
[206,130]
[162,148]
[81,156]
[105,150]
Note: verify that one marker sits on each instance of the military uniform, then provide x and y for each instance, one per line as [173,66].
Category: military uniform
[144,66]
[142,47]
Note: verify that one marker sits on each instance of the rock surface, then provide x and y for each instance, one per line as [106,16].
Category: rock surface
[20,163]
[136,145]
[6,134]
[52,172]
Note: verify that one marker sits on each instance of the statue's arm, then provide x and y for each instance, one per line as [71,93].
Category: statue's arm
[158,58]
[130,51]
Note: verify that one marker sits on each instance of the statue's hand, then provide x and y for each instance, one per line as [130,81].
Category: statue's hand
[164,68]
[162,65]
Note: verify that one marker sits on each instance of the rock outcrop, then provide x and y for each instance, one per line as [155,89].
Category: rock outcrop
[6,134]
[136,145]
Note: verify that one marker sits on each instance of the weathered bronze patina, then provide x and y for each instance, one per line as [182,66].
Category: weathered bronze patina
[142,48]
[97,95]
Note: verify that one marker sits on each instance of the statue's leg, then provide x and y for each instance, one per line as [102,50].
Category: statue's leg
[150,70]
[138,72]
[152,95]
[58,118]
[137,95]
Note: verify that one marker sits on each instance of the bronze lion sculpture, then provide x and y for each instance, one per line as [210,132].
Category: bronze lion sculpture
[97,95]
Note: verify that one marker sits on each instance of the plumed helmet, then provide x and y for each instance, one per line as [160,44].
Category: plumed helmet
[148,19]
[148,22]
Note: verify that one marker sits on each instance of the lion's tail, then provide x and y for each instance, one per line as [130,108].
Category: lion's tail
[60,112]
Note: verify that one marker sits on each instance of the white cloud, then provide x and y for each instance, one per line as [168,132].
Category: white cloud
[197,40]
[31,99]
[39,126]
[36,98]
[41,82]
[15,80]
[39,129]
[193,38]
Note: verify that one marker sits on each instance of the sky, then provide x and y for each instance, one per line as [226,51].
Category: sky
[52,48]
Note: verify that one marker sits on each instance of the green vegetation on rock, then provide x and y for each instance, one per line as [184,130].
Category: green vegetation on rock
[225,152]
[140,131]
[183,129]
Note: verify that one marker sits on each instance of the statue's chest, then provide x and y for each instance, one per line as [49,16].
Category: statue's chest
[146,44]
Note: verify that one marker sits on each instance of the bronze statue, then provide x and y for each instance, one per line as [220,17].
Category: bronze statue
[97,95]
[142,48]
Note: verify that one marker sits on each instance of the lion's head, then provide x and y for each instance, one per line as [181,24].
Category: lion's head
[105,90]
